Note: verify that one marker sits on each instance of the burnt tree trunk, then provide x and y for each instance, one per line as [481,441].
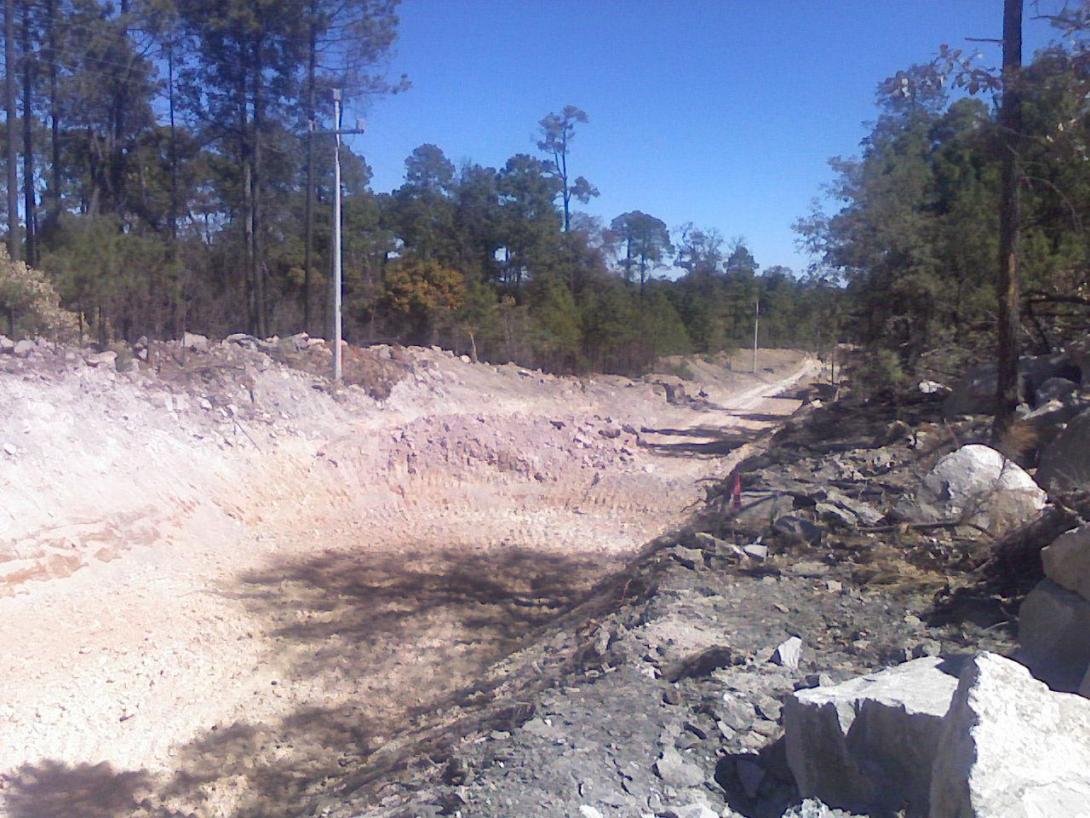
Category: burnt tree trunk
[1008,390]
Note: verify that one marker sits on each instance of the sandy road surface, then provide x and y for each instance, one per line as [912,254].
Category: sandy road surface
[198,624]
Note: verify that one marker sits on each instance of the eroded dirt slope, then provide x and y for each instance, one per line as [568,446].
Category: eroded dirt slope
[224,586]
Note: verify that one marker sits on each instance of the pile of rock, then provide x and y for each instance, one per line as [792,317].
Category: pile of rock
[1054,622]
[974,739]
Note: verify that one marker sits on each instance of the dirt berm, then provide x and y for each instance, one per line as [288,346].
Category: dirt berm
[227,589]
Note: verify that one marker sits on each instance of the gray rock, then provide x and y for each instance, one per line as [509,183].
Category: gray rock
[194,342]
[975,485]
[694,811]
[538,727]
[22,348]
[813,808]
[974,394]
[107,358]
[735,713]
[1067,561]
[692,558]
[674,770]
[10,450]
[1084,688]
[867,744]
[242,339]
[1055,389]
[797,528]
[788,653]
[750,774]
[760,511]
[1011,747]
[866,514]
[1054,631]
[7,346]
[1065,462]
[835,515]
[933,388]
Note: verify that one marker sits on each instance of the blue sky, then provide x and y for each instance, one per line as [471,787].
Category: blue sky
[718,112]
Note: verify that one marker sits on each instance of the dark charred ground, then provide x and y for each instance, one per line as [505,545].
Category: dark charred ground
[673,653]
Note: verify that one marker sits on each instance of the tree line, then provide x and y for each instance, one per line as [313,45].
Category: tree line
[170,169]
[959,157]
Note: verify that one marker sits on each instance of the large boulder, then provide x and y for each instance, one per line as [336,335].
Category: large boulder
[1067,561]
[1065,462]
[974,394]
[1054,631]
[1011,748]
[866,745]
[975,485]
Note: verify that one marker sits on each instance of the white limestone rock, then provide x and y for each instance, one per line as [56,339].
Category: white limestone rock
[866,745]
[1011,748]
[1067,561]
[788,653]
[975,485]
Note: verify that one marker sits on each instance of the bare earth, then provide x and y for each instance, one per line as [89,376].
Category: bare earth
[223,589]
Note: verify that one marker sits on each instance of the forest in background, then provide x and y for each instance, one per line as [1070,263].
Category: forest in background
[169,168]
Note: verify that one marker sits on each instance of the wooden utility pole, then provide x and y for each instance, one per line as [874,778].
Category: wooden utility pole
[9,100]
[1007,395]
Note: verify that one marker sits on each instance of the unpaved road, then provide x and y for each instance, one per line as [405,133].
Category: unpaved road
[216,609]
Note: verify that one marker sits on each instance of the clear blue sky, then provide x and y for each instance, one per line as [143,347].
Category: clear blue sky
[719,112]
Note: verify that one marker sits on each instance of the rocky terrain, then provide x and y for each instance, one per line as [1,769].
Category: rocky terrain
[473,591]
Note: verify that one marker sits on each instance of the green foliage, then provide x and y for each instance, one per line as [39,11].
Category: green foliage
[880,373]
[30,304]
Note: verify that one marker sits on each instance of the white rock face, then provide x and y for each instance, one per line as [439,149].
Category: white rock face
[1011,748]
[1067,561]
[867,745]
[192,341]
[1054,630]
[788,653]
[975,485]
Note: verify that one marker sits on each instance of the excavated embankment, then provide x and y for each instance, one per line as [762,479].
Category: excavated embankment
[227,589]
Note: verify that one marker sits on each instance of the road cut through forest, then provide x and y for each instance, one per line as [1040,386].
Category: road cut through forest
[225,586]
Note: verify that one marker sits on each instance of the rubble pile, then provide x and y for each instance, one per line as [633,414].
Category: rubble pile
[829,638]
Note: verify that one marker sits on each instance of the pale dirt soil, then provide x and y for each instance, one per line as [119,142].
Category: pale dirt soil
[224,586]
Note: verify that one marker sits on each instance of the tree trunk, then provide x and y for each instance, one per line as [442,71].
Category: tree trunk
[54,114]
[173,148]
[29,204]
[9,94]
[1010,124]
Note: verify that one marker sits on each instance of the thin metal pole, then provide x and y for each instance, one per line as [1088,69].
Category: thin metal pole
[756,323]
[337,235]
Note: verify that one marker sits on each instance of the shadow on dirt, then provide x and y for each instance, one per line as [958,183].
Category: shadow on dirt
[698,441]
[407,632]
[89,791]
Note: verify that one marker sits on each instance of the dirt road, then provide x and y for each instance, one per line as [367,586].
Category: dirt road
[215,608]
